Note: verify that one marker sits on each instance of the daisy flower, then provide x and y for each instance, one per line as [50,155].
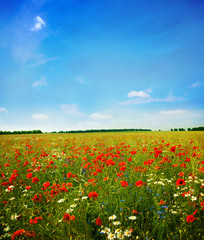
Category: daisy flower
[112,217]
[73,205]
[193,198]
[116,223]
[111,236]
[127,233]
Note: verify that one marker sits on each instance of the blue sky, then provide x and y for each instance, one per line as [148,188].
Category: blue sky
[91,64]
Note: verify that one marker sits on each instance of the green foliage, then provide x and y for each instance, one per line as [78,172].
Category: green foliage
[196,129]
[105,130]
[20,132]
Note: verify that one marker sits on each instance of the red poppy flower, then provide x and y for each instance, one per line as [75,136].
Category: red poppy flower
[183,165]
[180,181]
[134,211]
[35,180]
[190,218]
[98,221]
[181,174]
[161,202]
[29,175]
[67,217]
[46,185]
[124,183]
[37,198]
[5,183]
[122,168]
[139,183]
[69,175]
[17,234]
[93,195]
[173,149]
[122,164]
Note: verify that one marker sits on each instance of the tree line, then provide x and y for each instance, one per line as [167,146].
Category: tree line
[103,130]
[21,132]
[189,129]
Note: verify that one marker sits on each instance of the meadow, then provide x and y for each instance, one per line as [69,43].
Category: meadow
[128,185]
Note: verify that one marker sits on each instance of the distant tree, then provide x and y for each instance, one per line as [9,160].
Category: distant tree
[36,131]
[175,129]
[181,129]
[197,129]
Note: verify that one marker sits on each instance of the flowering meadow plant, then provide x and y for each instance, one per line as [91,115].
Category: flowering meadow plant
[102,186]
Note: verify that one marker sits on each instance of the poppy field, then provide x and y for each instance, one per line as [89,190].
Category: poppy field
[129,185]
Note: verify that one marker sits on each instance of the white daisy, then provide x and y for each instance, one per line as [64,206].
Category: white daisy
[116,223]
[111,236]
[85,197]
[193,198]
[132,217]
[112,217]
[69,210]
[73,205]
[127,233]
[14,216]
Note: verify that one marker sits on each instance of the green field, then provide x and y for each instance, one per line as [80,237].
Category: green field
[127,185]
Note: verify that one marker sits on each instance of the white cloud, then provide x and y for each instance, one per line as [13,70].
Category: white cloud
[71,109]
[39,23]
[141,94]
[41,82]
[99,116]
[142,100]
[3,110]
[194,85]
[81,80]
[17,37]
[174,112]
[37,116]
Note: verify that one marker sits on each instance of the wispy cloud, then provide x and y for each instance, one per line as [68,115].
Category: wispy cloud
[141,94]
[71,109]
[37,116]
[81,80]
[3,109]
[174,112]
[194,85]
[99,116]
[39,24]
[41,82]
[149,99]
[21,42]
[41,61]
